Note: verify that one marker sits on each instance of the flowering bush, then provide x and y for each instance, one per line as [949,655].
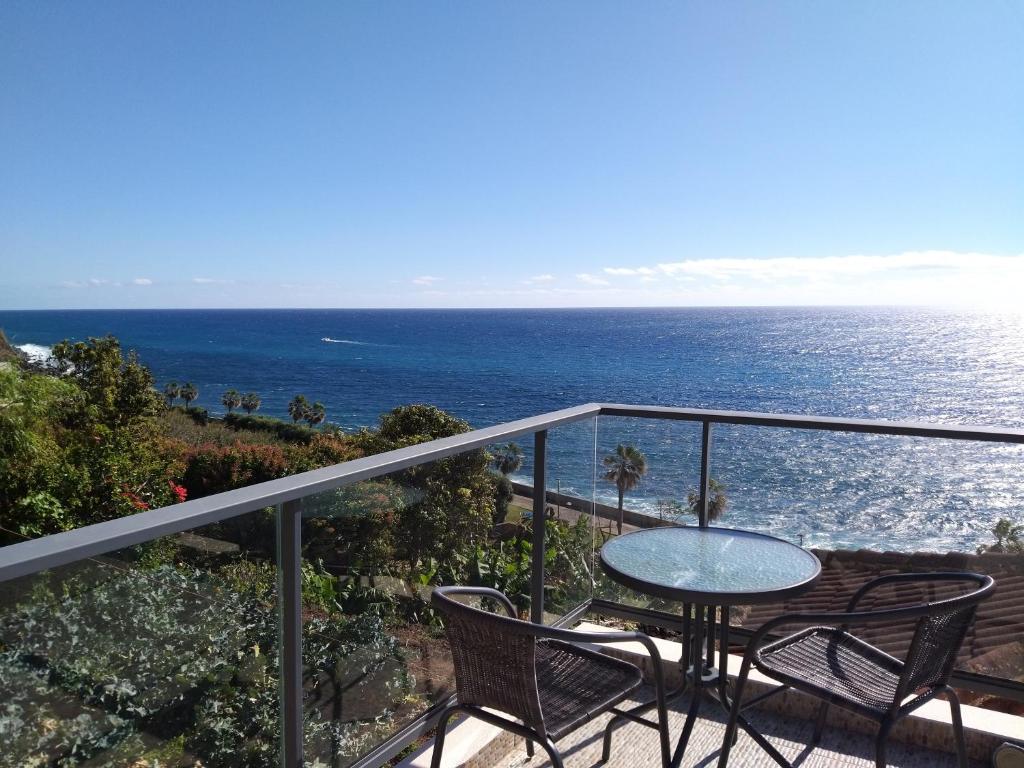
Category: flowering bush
[212,469]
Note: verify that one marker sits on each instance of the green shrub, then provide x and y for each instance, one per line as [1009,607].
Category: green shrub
[295,433]
[354,526]
[78,448]
[213,469]
[450,506]
[105,655]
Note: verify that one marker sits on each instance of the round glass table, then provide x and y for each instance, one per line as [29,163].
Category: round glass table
[714,566]
[708,570]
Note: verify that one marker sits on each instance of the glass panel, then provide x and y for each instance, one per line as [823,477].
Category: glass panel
[163,654]
[663,494]
[848,491]
[570,531]
[872,504]
[375,651]
[670,451]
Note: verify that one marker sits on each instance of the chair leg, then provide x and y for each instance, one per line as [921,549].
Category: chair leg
[529,748]
[549,747]
[439,734]
[663,737]
[881,742]
[819,724]
[958,727]
[734,714]
[606,748]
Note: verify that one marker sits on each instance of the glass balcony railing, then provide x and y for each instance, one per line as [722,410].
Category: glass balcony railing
[289,623]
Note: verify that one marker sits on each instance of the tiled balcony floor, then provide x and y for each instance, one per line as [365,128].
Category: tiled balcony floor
[634,746]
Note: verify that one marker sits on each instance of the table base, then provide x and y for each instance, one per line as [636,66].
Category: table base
[702,678]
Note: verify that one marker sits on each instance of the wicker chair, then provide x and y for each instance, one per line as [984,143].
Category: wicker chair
[536,674]
[828,662]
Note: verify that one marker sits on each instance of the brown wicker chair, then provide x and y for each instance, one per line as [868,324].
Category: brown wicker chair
[828,662]
[537,674]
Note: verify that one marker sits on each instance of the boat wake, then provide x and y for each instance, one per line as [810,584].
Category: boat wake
[329,340]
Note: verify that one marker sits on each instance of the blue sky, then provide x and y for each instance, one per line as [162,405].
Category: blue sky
[510,154]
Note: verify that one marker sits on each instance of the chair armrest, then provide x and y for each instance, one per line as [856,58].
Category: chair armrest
[986,585]
[480,592]
[910,578]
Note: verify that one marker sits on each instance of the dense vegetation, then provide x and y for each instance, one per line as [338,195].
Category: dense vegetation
[166,654]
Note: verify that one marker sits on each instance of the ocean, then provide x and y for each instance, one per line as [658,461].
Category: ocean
[490,366]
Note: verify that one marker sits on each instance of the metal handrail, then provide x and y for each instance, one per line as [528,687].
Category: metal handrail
[826,423]
[58,549]
[28,557]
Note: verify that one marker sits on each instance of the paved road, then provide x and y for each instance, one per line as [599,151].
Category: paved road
[570,515]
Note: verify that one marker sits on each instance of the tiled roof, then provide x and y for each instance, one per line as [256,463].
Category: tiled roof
[994,644]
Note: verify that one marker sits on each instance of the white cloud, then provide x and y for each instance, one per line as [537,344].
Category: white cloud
[142,281]
[92,282]
[209,281]
[630,271]
[425,280]
[588,279]
[539,279]
[911,277]
[841,267]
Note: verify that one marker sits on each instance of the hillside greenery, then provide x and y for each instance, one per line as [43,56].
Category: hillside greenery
[165,654]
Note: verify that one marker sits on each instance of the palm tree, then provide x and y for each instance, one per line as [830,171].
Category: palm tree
[508,458]
[188,393]
[298,408]
[716,500]
[625,468]
[316,414]
[231,399]
[250,402]
[171,392]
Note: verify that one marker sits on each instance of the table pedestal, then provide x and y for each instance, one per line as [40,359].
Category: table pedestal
[706,680]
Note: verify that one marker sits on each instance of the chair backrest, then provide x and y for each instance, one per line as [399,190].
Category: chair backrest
[495,660]
[939,634]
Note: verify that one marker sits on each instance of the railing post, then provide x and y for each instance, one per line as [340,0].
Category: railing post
[540,440]
[705,474]
[289,582]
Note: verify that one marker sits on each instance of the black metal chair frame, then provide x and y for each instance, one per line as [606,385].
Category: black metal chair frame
[911,683]
[506,631]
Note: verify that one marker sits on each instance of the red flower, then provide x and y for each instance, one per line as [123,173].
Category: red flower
[179,491]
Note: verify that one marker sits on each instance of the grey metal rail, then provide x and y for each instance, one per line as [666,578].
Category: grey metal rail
[28,557]
[826,423]
[59,549]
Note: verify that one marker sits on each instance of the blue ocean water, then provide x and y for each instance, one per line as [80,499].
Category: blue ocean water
[490,366]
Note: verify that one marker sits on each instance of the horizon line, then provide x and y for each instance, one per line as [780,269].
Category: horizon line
[950,306]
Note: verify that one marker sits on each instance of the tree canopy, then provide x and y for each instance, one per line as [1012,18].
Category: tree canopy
[231,399]
[250,402]
[78,448]
[507,458]
[298,408]
[624,468]
[450,501]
